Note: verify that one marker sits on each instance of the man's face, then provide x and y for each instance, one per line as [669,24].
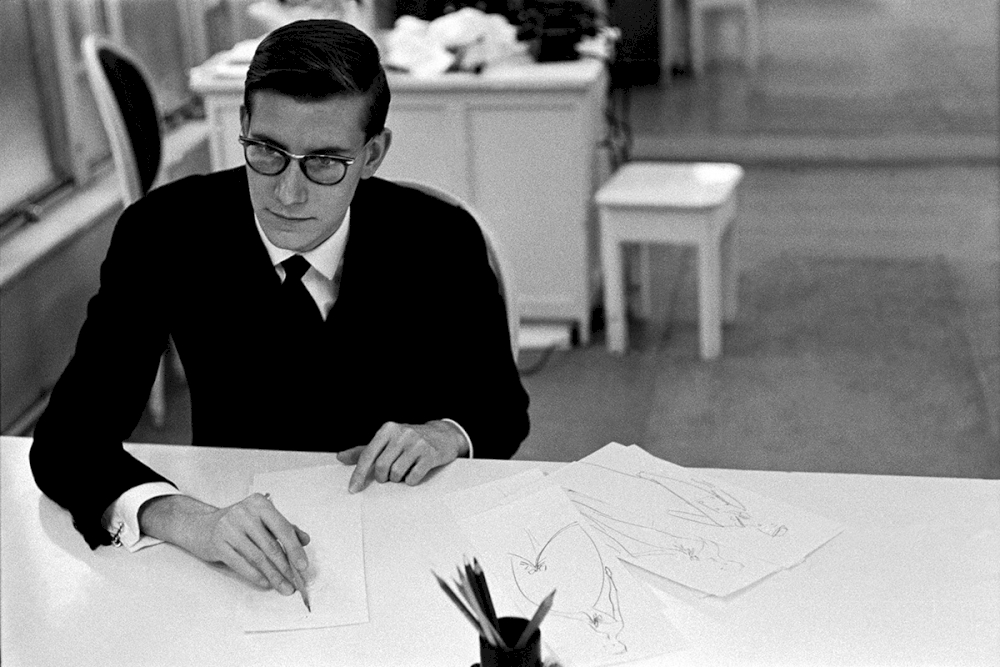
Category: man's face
[294,212]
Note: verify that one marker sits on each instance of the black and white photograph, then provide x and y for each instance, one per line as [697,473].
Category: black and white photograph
[505,333]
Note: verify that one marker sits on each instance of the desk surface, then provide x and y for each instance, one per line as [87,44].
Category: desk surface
[221,74]
[913,579]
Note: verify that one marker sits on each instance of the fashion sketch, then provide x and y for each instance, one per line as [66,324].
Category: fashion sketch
[638,540]
[703,502]
[711,505]
[570,562]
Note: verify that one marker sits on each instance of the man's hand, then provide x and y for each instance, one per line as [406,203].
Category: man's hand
[251,537]
[404,453]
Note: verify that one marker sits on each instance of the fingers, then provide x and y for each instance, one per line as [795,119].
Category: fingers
[401,467]
[260,544]
[291,546]
[232,558]
[395,459]
[419,471]
[403,453]
[350,456]
[263,560]
[389,456]
[370,453]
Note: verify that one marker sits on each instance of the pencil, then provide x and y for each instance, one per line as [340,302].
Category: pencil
[492,634]
[487,598]
[299,583]
[463,587]
[536,620]
[477,589]
[458,603]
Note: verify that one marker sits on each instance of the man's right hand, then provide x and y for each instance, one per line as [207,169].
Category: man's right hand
[251,536]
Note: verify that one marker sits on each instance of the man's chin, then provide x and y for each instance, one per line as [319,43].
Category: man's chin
[296,240]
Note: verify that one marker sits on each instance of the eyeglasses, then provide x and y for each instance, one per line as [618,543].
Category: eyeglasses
[270,161]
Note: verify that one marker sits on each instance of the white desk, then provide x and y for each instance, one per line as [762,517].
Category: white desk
[913,579]
[518,143]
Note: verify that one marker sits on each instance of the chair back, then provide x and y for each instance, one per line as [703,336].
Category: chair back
[494,255]
[127,107]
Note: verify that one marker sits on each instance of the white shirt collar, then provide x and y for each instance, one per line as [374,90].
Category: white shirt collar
[325,257]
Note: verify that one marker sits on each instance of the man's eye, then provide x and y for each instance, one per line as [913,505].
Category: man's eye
[264,150]
[324,161]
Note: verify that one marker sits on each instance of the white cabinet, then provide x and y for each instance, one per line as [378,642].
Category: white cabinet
[517,143]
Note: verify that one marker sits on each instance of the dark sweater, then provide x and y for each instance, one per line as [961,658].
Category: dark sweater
[418,332]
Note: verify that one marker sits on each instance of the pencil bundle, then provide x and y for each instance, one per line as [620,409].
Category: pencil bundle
[478,605]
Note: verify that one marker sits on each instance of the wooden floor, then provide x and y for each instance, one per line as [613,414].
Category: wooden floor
[850,80]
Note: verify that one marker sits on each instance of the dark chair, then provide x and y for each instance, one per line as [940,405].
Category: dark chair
[132,120]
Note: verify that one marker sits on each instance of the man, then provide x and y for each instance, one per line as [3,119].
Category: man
[391,348]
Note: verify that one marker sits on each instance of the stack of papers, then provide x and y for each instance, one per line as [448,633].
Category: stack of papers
[535,541]
[572,529]
[698,531]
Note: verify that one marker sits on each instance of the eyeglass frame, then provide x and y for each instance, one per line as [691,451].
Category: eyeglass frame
[289,157]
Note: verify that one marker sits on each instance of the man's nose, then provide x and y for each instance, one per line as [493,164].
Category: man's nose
[292,186]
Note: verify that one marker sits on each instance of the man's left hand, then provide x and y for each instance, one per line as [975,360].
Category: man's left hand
[404,453]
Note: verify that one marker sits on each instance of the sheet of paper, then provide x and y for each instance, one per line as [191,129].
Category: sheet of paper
[478,499]
[688,559]
[681,499]
[601,615]
[336,575]
[694,530]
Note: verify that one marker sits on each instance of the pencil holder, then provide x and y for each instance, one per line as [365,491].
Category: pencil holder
[530,655]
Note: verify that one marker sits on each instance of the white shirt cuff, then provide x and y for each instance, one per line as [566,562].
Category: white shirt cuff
[464,434]
[121,519]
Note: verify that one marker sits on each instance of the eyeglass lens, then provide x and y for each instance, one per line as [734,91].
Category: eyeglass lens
[270,162]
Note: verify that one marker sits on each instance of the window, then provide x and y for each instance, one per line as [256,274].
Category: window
[26,167]
[50,132]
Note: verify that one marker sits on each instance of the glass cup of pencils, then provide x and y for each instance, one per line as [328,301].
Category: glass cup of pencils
[508,641]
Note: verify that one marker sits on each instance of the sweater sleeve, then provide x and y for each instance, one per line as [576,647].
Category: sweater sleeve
[484,390]
[77,456]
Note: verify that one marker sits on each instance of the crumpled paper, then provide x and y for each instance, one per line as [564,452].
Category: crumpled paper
[468,39]
[272,15]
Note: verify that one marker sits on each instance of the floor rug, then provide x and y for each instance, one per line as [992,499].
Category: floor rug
[838,365]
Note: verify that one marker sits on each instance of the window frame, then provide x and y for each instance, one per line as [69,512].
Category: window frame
[77,146]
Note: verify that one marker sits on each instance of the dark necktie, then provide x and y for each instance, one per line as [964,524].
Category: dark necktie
[301,312]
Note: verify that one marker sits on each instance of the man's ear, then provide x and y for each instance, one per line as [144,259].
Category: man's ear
[244,119]
[377,149]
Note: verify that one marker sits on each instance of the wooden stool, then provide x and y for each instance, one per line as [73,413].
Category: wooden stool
[662,202]
[751,29]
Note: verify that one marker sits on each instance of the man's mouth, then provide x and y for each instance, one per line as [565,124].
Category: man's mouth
[288,217]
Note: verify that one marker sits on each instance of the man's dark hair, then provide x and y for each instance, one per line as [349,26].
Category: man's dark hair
[318,59]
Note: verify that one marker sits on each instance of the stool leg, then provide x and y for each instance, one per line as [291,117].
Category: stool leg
[751,36]
[709,300]
[730,274]
[615,324]
[584,331]
[645,292]
[696,39]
